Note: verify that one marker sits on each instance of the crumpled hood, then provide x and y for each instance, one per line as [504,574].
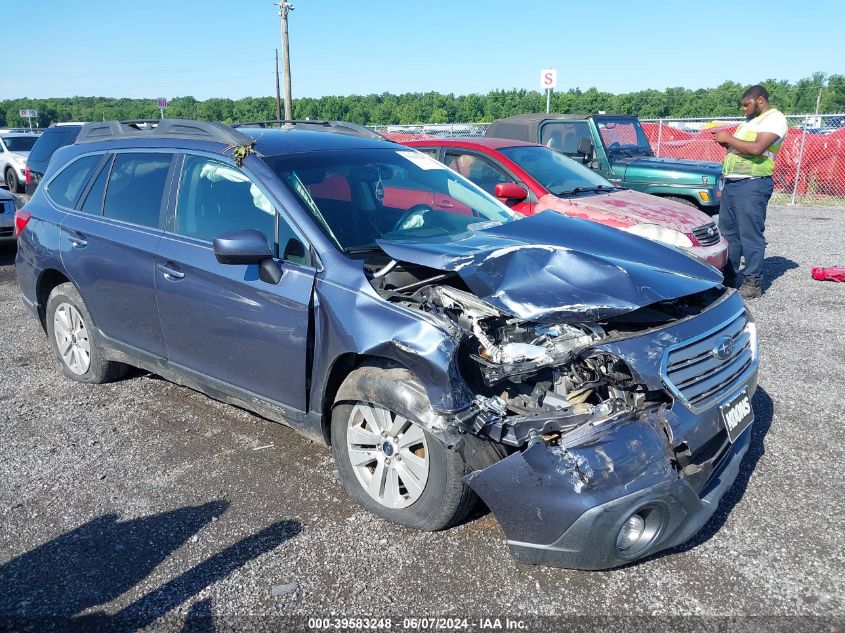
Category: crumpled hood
[625,208]
[640,168]
[552,268]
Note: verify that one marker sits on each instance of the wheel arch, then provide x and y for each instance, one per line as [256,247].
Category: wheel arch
[47,280]
[342,366]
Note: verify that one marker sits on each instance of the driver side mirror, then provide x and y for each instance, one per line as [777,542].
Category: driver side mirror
[510,191]
[248,247]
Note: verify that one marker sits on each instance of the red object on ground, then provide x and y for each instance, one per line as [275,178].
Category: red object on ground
[829,273]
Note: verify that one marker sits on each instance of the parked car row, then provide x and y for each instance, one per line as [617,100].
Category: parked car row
[532,178]
[590,385]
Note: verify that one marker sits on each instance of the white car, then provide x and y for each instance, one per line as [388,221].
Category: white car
[14,150]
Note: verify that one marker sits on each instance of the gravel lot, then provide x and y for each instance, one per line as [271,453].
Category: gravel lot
[147,500]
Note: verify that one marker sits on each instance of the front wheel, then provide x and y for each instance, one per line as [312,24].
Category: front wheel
[686,201]
[12,181]
[71,334]
[387,461]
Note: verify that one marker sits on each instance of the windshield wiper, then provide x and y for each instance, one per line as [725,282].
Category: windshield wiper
[597,188]
[369,248]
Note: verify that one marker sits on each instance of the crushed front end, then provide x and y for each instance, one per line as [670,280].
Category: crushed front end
[639,465]
[611,397]
[603,441]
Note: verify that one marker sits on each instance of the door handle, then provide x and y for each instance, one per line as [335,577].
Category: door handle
[77,242]
[170,272]
[443,204]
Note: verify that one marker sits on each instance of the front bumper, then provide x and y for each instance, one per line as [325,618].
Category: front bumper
[565,507]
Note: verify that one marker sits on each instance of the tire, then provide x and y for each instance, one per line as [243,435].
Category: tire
[388,396]
[685,201]
[70,328]
[11,180]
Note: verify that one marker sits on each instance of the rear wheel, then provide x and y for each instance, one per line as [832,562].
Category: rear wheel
[12,181]
[74,342]
[387,460]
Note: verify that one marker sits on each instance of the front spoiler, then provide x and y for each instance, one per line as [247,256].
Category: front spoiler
[564,508]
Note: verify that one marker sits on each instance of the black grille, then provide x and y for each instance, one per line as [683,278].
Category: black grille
[7,231]
[707,234]
[694,372]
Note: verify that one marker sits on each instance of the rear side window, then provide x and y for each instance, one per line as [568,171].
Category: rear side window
[564,136]
[94,200]
[65,188]
[136,187]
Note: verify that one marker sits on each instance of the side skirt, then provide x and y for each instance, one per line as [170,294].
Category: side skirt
[308,424]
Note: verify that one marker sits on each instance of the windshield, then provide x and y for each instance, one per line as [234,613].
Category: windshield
[556,172]
[360,196]
[19,143]
[623,136]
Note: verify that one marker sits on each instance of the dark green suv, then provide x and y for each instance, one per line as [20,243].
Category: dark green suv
[617,148]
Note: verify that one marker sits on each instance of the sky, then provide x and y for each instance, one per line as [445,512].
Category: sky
[225,48]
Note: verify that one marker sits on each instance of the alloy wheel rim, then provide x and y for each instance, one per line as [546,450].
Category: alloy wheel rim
[72,338]
[389,455]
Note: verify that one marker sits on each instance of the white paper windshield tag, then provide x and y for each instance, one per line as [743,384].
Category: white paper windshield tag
[421,160]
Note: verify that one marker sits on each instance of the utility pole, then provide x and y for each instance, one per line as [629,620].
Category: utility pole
[285,8]
[278,97]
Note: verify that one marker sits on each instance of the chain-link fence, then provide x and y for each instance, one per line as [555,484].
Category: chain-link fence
[810,167]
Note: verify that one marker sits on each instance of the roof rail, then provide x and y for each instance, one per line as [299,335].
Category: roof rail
[164,128]
[341,127]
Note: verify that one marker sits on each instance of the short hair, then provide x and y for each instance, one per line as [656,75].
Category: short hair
[754,92]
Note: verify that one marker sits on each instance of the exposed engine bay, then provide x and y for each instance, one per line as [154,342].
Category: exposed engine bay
[532,379]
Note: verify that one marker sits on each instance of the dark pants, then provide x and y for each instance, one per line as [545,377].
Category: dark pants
[742,220]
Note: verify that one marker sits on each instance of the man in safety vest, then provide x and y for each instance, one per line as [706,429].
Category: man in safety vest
[747,177]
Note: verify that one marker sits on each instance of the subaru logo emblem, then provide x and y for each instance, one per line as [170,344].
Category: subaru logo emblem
[724,348]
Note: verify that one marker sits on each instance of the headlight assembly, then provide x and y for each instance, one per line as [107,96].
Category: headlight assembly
[661,234]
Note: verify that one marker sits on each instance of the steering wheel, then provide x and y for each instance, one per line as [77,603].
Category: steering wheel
[614,145]
[412,218]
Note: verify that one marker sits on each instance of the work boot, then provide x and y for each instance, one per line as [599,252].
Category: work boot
[750,288]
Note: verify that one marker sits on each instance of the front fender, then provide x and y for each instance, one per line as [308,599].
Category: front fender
[347,321]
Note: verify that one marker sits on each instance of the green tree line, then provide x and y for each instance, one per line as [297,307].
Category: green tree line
[432,107]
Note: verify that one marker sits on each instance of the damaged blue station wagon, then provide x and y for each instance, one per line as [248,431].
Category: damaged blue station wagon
[591,386]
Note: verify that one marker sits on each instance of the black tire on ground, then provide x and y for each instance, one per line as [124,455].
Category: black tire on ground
[99,370]
[686,201]
[11,180]
[445,499]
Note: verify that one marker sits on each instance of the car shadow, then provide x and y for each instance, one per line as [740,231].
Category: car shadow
[763,414]
[52,585]
[774,267]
